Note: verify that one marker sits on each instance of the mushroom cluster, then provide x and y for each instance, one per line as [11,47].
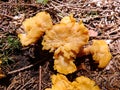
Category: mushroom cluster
[60,82]
[66,40]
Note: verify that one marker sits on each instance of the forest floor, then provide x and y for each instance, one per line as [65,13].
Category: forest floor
[30,68]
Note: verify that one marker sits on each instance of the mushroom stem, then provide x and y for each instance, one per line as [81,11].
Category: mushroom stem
[84,51]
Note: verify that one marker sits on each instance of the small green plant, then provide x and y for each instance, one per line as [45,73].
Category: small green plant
[8,46]
[6,60]
[13,43]
[42,1]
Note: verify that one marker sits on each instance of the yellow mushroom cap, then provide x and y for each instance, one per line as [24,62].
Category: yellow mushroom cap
[100,53]
[35,27]
[84,83]
[65,40]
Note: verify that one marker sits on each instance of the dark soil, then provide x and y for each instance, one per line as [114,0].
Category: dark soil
[30,68]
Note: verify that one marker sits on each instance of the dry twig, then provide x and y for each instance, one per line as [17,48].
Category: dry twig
[40,81]
[24,68]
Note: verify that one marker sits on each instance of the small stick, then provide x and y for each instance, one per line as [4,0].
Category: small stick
[40,71]
[6,15]
[24,68]
[21,4]
[21,69]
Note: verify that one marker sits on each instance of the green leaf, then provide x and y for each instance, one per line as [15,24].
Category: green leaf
[39,1]
[42,1]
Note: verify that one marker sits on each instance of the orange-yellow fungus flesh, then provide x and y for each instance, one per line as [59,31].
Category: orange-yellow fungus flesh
[35,27]
[66,40]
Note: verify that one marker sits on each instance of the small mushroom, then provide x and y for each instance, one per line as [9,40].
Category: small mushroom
[1,74]
[100,52]
[35,27]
